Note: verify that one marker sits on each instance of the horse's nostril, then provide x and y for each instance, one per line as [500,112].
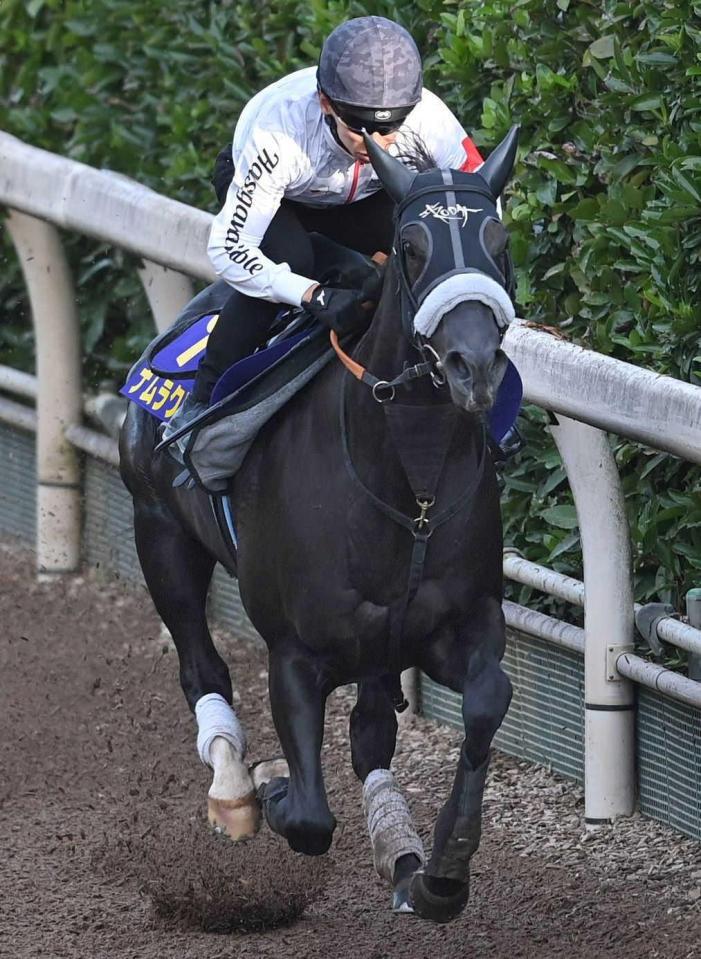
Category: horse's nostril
[461,368]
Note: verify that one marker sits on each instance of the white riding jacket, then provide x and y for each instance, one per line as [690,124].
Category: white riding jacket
[284,148]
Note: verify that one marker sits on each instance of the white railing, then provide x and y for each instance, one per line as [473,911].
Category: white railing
[588,394]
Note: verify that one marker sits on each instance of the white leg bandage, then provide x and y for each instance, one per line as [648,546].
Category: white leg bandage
[215,717]
[391,829]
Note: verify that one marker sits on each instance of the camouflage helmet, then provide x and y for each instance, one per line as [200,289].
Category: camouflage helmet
[370,68]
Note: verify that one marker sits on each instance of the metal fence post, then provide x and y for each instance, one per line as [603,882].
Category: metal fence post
[57,336]
[167,291]
[609,727]
[693,611]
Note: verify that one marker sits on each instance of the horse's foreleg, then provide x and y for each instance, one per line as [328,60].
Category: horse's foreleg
[396,847]
[442,890]
[297,807]
[178,569]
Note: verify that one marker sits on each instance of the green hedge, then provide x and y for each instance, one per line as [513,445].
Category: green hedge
[604,208]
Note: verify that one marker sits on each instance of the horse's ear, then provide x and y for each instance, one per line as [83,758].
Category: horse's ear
[394,176]
[496,169]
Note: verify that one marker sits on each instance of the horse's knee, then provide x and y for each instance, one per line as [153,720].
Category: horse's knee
[486,699]
[373,729]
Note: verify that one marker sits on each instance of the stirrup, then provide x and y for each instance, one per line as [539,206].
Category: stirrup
[510,444]
[188,412]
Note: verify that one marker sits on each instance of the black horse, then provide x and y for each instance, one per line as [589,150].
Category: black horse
[369,535]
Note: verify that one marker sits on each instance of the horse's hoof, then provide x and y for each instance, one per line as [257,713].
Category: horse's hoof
[262,772]
[236,818]
[401,896]
[439,900]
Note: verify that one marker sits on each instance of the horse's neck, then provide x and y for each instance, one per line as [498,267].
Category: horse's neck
[385,351]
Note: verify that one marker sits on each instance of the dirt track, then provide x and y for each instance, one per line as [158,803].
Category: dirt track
[101,791]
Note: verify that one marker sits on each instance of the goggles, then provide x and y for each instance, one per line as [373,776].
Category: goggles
[356,125]
[372,121]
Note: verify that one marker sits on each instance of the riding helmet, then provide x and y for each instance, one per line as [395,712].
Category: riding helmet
[370,69]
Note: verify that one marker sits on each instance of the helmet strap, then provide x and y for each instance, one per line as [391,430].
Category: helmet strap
[330,122]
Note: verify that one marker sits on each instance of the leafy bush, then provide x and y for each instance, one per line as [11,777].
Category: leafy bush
[604,210]
[605,217]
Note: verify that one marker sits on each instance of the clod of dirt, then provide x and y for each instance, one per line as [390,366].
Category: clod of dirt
[197,879]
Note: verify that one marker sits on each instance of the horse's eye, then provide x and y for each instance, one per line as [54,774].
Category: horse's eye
[408,249]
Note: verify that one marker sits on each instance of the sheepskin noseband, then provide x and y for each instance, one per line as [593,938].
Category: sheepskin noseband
[457,289]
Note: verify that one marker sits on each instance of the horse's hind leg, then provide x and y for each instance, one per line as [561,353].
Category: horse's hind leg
[178,569]
[441,892]
[396,847]
[297,807]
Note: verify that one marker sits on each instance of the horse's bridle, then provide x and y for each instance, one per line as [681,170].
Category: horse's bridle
[422,526]
[384,391]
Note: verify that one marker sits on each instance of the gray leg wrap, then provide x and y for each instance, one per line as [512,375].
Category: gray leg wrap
[391,829]
[215,717]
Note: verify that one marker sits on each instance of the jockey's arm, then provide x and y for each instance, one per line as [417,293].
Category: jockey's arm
[263,170]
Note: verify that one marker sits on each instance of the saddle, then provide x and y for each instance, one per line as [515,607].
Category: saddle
[245,397]
[250,392]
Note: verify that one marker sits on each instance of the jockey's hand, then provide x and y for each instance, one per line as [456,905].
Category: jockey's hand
[341,310]
[365,275]
[341,267]
[372,285]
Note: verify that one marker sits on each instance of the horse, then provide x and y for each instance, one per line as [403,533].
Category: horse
[368,541]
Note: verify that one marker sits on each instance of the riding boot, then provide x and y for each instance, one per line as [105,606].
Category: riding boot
[242,326]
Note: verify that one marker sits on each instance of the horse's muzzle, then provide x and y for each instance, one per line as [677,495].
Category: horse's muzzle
[474,378]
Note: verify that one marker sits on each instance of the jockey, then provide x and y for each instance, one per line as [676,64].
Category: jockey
[299,166]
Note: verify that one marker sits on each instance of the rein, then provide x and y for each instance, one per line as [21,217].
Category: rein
[376,385]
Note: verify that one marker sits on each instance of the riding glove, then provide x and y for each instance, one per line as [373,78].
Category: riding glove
[340,310]
[339,266]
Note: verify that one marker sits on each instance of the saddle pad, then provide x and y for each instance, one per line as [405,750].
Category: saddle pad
[162,379]
[166,373]
[503,414]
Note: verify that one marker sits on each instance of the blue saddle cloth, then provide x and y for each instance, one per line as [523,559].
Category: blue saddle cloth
[502,416]
[165,374]
[250,367]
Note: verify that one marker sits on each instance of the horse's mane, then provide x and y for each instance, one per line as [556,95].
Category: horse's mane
[415,153]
